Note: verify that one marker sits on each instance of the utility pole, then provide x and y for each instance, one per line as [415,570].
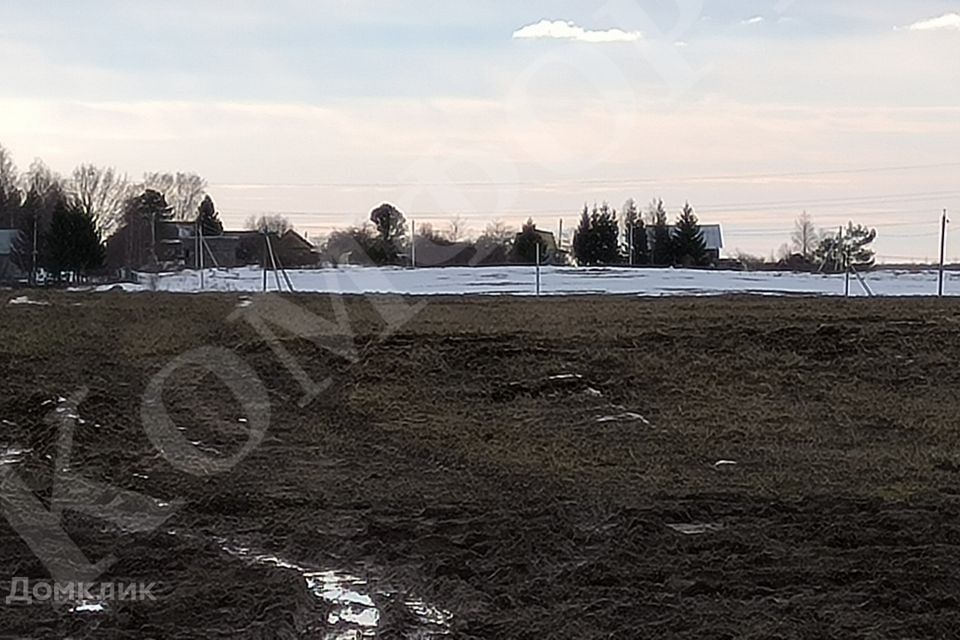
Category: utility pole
[630,243]
[200,257]
[538,267]
[844,262]
[943,249]
[413,243]
[33,269]
[560,237]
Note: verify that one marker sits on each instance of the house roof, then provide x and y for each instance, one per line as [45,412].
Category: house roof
[291,237]
[7,239]
[712,235]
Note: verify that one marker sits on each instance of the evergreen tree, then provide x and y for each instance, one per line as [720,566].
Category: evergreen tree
[208,218]
[836,253]
[583,239]
[29,251]
[662,253]
[596,240]
[635,235]
[391,227]
[73,242]
[689,248]
[525,247]
[134,243]
[606,232]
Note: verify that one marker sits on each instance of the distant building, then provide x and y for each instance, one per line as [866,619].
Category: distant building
[712,238]
[431,252]
[552,253]
[9,271]
[177,247]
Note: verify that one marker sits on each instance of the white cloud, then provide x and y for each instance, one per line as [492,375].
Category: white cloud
[947,22]
[565,30]
[754,20]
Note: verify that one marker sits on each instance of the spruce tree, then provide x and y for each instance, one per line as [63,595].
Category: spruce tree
[689,248]
[606,233]
[73,242]
[525,246]
[635,235]
[662,253]
[28,249]
[583,240]
[208,218]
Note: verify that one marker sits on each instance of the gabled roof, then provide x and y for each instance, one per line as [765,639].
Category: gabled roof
[7,239]
[712,235]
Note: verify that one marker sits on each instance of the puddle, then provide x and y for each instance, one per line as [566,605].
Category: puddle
[13,455]
[353,610]
[628,416]
[696,529]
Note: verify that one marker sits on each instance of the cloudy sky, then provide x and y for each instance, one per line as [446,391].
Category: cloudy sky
[754,110]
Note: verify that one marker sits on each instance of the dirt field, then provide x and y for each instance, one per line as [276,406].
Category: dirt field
[504,468]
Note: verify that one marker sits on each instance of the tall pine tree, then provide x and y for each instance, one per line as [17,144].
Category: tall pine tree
[583,250]
[29,251]
[635,235]
[525,247]
[689,248]
[662,253]
[208,218]
[607,233]
[73,243]
[597,239]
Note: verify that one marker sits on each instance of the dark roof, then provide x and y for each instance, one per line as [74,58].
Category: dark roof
[7,239]
[712,235]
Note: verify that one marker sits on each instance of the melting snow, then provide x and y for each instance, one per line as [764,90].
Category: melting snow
[28,301]
[521,281]
[629,416]
[696,529]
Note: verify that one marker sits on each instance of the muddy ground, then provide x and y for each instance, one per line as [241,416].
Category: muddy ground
[502,468]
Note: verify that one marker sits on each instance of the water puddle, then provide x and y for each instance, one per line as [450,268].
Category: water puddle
[13,455]
[628,416]
[696,529]
[353,610]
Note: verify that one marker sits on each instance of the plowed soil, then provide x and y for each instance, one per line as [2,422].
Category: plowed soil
[557,468]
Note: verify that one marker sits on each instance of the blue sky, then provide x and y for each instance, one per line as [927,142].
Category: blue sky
[752,110]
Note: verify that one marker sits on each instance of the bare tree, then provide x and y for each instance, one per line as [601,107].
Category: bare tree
[9,189]
[183,191]
[457,229]
[805,238]
[102,194]
[498,232]
[269,223]
[42,180]
[8,171]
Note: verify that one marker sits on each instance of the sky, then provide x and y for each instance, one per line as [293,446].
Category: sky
[751,110]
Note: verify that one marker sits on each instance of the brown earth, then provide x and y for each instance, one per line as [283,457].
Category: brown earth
[464,459]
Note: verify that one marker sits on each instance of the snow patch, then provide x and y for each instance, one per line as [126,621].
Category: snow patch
[629,416]
[27,301]
[696,529]
[521,281]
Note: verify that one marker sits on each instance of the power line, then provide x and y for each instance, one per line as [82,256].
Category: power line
[593,181]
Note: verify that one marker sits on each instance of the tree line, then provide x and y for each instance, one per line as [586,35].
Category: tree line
[69,226]
[814,249]
[600,239]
